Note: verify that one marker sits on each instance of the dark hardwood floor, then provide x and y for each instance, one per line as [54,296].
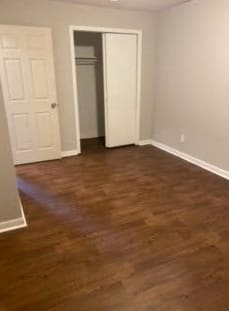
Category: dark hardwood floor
[128,229]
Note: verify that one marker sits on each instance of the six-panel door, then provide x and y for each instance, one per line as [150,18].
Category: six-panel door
[28,81]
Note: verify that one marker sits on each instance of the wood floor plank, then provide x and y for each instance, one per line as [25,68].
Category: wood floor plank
[125,229]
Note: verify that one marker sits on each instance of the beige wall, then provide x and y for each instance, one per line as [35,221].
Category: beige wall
[90,85]
[9,200]
[59,16]
[193,80]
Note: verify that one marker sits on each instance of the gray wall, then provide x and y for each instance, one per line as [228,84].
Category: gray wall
[9,200]
[192,86]
[90,85]
[59,16]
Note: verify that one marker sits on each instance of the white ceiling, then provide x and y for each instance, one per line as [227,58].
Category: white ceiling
[148,5]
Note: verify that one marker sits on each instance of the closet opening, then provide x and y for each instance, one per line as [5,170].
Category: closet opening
[90,89]
[106,71]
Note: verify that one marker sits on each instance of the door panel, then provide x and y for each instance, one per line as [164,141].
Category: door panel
[39,78]
[9,41]
[14,78]
[44,130]
[120,80]
[22,132]
[28,81]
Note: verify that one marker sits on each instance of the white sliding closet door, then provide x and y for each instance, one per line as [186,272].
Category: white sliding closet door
[120,84]
[28,81]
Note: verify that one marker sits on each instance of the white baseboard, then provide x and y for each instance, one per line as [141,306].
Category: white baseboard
[209,167]
[14,224]
[145,142]
[69,153]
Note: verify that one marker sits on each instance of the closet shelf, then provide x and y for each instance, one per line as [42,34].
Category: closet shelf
[86,60]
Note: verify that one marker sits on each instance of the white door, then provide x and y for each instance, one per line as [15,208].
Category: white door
[28,82]
[120,84]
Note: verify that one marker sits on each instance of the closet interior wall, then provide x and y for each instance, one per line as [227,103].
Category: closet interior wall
[89,67]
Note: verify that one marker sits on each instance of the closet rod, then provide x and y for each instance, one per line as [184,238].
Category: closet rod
[86,58]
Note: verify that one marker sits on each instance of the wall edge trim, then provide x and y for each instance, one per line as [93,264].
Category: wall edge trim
[14,224]
[184,156]
[69,153]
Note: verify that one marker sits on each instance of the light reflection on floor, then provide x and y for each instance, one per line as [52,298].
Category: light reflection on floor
[83,220]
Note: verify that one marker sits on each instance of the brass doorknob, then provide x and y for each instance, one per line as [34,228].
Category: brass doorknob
[53,105]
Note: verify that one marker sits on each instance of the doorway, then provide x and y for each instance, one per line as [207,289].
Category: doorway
[106,66]
[90,88]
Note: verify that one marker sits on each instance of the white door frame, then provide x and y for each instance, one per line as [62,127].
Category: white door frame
[138,33]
